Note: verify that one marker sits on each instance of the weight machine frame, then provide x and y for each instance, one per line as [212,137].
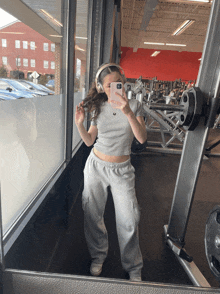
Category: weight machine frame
[166,125]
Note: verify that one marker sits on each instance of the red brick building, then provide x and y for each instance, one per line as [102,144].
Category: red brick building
[24,49]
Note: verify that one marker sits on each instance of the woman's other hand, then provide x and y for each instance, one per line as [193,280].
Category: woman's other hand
[79,114]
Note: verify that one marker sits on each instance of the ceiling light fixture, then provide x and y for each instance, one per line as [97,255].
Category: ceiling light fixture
[182,45]
[84,38]
[54,20]
[206,1]
[152,43]
[155,53]
[183,27]
[78,48]
[15,33]
[167,44]
[56,36]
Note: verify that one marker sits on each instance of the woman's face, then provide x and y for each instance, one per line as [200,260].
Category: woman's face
[112,77]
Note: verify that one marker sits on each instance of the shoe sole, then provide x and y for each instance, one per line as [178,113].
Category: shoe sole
[97,273]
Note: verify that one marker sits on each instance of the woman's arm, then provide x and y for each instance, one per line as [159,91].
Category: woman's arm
[90,136]
[138,127]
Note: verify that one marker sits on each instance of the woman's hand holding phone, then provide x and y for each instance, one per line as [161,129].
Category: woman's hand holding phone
[116,88]
[118,98]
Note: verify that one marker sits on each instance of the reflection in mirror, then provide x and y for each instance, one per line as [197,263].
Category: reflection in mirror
[32,132]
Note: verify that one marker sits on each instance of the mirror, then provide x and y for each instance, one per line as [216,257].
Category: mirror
[9,89]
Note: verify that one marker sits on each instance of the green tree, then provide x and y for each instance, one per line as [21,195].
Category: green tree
[3,71]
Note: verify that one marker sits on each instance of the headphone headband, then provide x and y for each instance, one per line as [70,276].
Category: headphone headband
[98,85]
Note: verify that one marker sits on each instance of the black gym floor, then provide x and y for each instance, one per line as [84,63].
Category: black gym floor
[53,241]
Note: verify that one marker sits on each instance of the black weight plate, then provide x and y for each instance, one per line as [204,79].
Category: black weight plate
[212,241]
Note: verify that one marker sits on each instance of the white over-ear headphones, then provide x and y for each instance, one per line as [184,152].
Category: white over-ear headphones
[98,83]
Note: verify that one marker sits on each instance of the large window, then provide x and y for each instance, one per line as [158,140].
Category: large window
[32,129]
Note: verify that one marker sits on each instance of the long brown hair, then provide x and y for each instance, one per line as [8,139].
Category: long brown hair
[94,100]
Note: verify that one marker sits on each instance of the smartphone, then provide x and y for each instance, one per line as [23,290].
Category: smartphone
[116,87]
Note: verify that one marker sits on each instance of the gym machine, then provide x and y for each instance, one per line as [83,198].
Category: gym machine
[162,118]
[196,114]
[200,106]
[172,117]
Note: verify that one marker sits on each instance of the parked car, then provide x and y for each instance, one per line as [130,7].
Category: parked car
[51,84]
[15,94]
[39,87]
[4,97]
[46,89]
[9,86]
[31,88]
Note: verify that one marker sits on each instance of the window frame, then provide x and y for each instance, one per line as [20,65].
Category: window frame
[17,61]
[4,58]
[16,42]
[25,42]
[46,47]
[4,43]
[52,47]
[31,61]
[46,61]
[32,45]
[52,63]
[25,59]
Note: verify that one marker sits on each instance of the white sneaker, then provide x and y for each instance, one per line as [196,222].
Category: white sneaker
[135,278]
[96,268]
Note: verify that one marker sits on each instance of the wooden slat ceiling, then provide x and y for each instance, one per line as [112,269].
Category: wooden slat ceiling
[164,16]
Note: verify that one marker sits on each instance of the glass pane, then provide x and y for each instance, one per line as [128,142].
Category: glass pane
[21,44]
[32,120]
[31,149]
[80,59]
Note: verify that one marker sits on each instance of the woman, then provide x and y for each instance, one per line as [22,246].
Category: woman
[109,165]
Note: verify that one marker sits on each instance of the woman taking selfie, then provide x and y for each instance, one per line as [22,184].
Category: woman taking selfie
[114,122]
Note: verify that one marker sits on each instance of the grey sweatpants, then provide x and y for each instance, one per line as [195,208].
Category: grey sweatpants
[98,175]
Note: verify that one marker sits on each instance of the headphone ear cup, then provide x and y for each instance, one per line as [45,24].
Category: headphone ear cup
[99,88]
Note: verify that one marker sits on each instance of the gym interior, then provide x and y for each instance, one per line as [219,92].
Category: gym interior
[169,51]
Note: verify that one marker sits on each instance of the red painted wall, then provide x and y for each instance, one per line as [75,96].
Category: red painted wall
[166,66]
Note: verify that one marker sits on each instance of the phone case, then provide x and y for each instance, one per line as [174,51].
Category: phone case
[115,88]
